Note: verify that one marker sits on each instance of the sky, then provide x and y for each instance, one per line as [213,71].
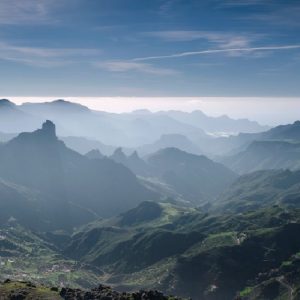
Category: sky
[157,48]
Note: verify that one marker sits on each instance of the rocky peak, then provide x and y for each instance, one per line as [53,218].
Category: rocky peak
[45,134]
[119,156]
[134,156]
[94,154]
[49,129]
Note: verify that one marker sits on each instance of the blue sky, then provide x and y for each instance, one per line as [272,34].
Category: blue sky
[242,48]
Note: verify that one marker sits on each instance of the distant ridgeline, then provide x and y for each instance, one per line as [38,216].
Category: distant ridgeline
[167,211]
[130,130]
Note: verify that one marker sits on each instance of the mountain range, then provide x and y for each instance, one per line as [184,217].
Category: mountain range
[128,129]
[192,177]
[39,161]
[193,253]
[222,125]
[95,186]
[181,210]
[277,148]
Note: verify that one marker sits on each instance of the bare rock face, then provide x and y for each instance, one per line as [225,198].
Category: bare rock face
[49,129]
[46,134]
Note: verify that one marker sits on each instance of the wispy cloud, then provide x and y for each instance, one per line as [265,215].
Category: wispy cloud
[48,52]
[215,39]
[44,63]
[132,66]
[139,65]
[220,38]
[44,57]
[24,12]
[218,51]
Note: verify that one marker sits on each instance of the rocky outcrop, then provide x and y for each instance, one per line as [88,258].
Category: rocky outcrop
[13,290]
[106,293]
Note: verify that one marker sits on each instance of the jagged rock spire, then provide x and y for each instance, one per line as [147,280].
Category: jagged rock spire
[48,127]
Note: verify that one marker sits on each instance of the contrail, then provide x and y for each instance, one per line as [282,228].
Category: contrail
[212,51]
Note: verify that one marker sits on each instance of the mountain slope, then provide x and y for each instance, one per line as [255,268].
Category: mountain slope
[136,164]
[13,119]
[262,155]
[216,125]
[32,208]
[84,145]
[197,178]
[171,140]
[260,189]
[234,144]
[5,137]
[140,232]
[185,177]
[94,154]
[27,255]
[284,132]
[40,161]
[188,252]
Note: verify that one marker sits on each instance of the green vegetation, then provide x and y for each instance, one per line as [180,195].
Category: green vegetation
[18,290]
[244,244]
[190,252]
[182,251]
[262,189]
[286,263]
[246,291]
[26,256]
[21,290]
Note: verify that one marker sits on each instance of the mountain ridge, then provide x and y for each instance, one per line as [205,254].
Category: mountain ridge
[39,160]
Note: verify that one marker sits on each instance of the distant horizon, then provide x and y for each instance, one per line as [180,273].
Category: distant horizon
[265,110]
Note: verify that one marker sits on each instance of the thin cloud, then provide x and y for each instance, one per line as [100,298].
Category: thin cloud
[44,57]
[220,38]
[129,66]
[38,62]
[15,12]
[217,51]
[47,52]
